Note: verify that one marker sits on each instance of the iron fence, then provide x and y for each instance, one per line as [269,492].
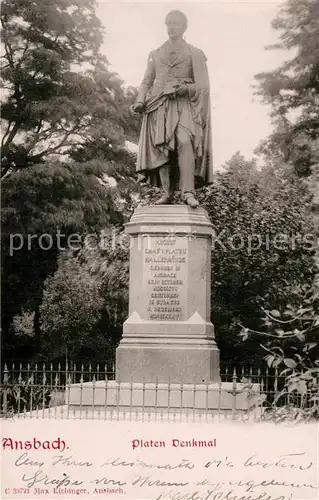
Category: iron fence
[89,390]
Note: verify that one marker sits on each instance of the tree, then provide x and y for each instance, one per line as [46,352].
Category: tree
[43,206]
[58,91]
[61,106]
[70,308]
[263,248]
[292,90]
[289,339]
[249,209]
[86,301]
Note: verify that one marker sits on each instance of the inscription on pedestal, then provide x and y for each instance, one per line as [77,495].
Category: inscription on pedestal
[165,268]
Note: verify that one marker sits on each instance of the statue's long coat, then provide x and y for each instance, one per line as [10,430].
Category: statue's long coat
[167,69]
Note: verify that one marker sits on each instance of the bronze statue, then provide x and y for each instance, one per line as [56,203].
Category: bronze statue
[175,144]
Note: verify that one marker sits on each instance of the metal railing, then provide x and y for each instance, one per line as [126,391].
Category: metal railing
[89,390]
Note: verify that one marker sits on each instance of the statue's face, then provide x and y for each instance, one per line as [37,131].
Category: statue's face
[175,27]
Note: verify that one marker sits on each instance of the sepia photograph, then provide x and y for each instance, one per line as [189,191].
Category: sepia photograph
[160,249]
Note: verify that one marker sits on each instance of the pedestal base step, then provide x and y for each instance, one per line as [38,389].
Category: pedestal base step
[214,396]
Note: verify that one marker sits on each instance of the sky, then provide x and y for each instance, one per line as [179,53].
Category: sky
[233,36]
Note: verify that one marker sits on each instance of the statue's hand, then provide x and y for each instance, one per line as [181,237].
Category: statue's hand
[138,107]
[182,90]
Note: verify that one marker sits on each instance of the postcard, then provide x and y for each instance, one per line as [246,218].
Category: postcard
[160,279]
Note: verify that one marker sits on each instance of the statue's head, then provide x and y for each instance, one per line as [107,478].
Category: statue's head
[176,23]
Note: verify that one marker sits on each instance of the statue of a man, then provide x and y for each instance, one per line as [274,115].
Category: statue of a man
[175,144]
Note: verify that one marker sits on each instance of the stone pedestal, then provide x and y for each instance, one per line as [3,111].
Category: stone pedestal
[220,397]
[168,336]
[167,361]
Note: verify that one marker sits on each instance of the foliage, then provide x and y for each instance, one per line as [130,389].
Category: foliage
[109,261]
[58,90]
[290,342]
[292,329]
[292,90]
[23,324]
[95,280]
[288,333]
[244,202]
[70,308]
[261,251]
[313,186]
[44,206]
[290,413]
[59,100]
[50,197]
[25,396]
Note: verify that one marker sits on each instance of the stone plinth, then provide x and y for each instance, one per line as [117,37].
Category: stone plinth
[168,336]
[213,397]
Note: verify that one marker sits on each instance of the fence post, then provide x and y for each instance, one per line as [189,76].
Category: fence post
[19,393]
[274,399]
[5,391]
[234,393]
[31,393]
[44,380]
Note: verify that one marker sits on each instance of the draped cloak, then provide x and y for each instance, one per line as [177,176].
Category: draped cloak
[163,114]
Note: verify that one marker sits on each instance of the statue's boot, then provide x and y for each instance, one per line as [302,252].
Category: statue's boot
[164,200]
[166,186]
[190,200]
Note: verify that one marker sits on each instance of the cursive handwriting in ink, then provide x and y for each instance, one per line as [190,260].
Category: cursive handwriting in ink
[231,495]
[40,477]
[219,463]
[250,484]
[205,482]
[183,464]
[106,481]
[69,461]
[221,495]
[149,481]
[25,460]
[117,462]
[286,461]
[176,495]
